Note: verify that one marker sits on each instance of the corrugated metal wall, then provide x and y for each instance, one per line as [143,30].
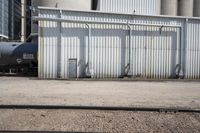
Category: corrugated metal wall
[145,51]
[154,53]
[48,41]
[14,19]
[152,7]
[4,18]
[10,18]
[193,50]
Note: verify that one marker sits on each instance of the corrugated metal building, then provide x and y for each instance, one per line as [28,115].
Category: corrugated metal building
[4,18]
[75,44]
[148,7]
[10,19]
[14,19]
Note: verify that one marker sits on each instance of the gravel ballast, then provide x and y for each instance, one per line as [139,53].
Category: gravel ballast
[98,121]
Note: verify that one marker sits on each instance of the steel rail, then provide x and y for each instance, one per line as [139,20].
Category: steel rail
[100,108]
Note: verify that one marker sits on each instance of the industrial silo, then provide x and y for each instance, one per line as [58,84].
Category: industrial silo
[145,7]
[14,19]
[169,7]
[64,4]
[185,8]
[10,19]
[4,6]
[196,8]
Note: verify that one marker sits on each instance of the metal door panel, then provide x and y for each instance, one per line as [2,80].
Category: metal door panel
[72,68]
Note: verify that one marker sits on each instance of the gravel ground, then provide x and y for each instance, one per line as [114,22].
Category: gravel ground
[16,90]
[99,121]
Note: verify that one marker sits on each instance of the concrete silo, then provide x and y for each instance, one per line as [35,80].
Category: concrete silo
[169,7]
[196,8]
[64,4]
[185,8]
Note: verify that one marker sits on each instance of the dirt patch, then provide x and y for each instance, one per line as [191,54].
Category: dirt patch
[19,90]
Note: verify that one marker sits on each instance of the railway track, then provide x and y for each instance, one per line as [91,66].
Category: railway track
[176,115]
[100,108]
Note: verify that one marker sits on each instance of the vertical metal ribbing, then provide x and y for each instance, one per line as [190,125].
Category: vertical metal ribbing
[183,35]
[181,72]
[23,20]
[180,66]
[3,21]
[129,50]
[59,47]
[88,74]
[40,52]
[11,30]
